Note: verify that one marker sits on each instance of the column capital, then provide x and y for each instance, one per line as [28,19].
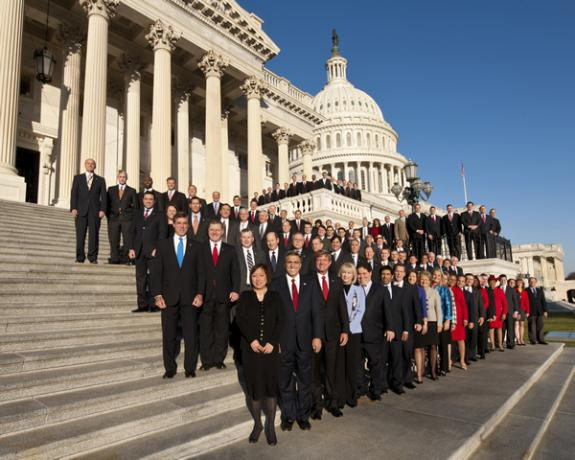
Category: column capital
[162,36]
[72,38]
[282,135]
[104,8]
[253,87]
[132,65]
[182,91]
[213,64]
[307,146]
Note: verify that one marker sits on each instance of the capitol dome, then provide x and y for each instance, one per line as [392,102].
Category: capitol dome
[354,142]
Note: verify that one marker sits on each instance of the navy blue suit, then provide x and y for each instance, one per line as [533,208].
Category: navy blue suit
[299,329]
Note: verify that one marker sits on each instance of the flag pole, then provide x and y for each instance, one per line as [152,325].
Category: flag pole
[464,183]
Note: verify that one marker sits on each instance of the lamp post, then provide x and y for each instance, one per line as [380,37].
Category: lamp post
[44,58]
[416,190]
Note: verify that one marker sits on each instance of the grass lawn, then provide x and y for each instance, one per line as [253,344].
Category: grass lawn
[561,322]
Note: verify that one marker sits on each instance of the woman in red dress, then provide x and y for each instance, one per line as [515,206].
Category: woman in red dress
[375,228]
[497,296]
[462,318]
[523,311]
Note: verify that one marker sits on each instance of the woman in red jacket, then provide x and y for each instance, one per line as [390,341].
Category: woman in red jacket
[458,332]
[496,295]
[375,229]
[523,311]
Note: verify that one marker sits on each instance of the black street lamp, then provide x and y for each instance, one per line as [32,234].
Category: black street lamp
[44,58]
[417,188]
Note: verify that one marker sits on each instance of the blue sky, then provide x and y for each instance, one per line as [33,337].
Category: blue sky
[490,83]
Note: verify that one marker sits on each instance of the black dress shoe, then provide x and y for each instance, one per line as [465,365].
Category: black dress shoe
[80,261]
[287,425]
[533,343]
[337,412]
[510,347]
[190,374]
[94,261]
[220,366]
[482,357]
[271,437]
[139,310]
[385,390]
[351,402]
[398,391]
[304,425]
[316,415]
[543,343]
[169,375]
[374,397]
[153,309]
[473,358]
[205,367]
[410,385]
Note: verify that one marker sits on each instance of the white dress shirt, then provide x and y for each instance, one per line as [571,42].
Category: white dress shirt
[251,251]
[289,280]
[176,240]
[366,288]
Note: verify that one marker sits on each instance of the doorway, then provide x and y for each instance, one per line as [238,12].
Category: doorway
[28,166]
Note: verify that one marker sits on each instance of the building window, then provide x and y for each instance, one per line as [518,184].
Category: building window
[359,139]
[269,169]
[348,139]
[338,140]
[376,141]
[26,85]
[318,142]
[368,140]
[328,142]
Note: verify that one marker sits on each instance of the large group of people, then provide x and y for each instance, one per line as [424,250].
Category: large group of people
[318,314]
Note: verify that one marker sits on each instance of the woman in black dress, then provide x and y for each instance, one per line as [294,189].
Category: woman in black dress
[258,319]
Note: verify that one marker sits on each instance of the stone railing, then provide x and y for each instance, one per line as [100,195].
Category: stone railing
[323,204]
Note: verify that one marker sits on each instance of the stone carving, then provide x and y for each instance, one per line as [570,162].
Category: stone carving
[213,64]
[162,36]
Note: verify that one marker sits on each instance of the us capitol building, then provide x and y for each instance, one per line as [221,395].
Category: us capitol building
[180,88]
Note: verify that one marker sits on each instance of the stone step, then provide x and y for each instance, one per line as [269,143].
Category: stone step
[56,253]
[65,322]
[11,363]
[206,408]
[39,309]
[48,241]
[61,299]
[63,277]
[526,418]
[13,205]
[46,410]
[19,342]
[43,227]
[68,267]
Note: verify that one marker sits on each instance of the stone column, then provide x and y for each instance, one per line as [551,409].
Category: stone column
[182,95]
[133,67]
[358,175]
[333,173]
[162,38]
[95,80]
[346,170]
[281,136]
[252,88]
[72,40]
[372,181]
[213,65]
[225,158]
[307,147]
[12,186]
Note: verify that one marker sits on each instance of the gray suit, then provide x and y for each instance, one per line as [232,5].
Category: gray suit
[400,231]
[259,258]
[509,323]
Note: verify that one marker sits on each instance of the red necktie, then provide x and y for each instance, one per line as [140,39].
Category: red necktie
[215,255]
[324,288]
[294,296]
[146,214]
[484,219]
[307,242]
[285,242]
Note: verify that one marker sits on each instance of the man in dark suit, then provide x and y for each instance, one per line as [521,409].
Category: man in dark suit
[416,229]
[301,336]
[230,226]
[294,188]
[193,193]
[286,235]
[307,259]
[325,181]
[248,255]
[274,219]
[454,267]
[122,205]
[278,193]
[387,231]
[173,197]
[148,186]
[485,237]
[243,223]
[213,209]
[328,384]
[274,255]
[471,221]
[476,313]
[198,223]
[149,228]
[433,231]
[297,224]
[222,288]
[178,283]
[537,312]
[376,331]
[451,227]
[264,227]
[493,233]
[306,185]
[236,208]
[253,213]
[512,311]
[340,255]
[88,206]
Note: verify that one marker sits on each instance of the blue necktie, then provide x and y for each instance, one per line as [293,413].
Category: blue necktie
[180,252]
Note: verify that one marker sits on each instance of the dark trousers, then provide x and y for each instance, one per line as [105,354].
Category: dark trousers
[295,384]
[444,341]
[326,379]
[374,377]
[471,342]
[535,328]
[509,329]
[418,246]
[484,246]
[117,228]
[482,334]
[434,245]
[188,315]
[385,364]
[454,245]
[407,354]
[145,300]
[214,331]
[492,246]
[88,223]
[395,372]
[354,368]
[472,241]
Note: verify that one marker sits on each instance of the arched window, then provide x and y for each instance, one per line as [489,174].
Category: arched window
[318,142]
[368,140]
[348,139]
[338,140]
[376,141]
[328,142]
[359,139]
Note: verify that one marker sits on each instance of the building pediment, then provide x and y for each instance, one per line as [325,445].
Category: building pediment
[232,20]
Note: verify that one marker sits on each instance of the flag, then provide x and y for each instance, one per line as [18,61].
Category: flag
[462,171]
